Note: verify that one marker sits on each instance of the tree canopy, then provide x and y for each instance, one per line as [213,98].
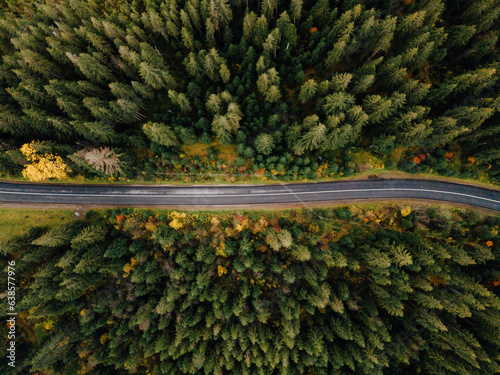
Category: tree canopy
[98,74]
[409,290]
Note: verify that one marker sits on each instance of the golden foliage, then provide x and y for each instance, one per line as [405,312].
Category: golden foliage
[321,170]
[260,225]
[221,270]
[243,225]
[314,228]
[129,266]
[219,251]
[42,166]
[176,224]
[48,324]
[177,219]
[405,211]
[150,226]
[104,338]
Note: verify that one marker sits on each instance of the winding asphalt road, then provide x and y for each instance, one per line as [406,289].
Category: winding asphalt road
[240,195]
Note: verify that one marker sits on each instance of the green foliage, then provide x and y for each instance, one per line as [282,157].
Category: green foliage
[97,73]
[423,300]
[264,144]
[160,133]
[384,144]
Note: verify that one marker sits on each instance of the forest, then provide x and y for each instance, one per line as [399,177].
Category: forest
[379,289]
[192,90]
[121,89]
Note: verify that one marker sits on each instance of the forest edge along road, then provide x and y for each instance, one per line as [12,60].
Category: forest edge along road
[242,195]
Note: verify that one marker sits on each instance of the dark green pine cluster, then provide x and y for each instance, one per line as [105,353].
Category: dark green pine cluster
[324,292]
[277,78]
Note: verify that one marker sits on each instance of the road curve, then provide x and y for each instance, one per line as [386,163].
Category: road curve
[239,195]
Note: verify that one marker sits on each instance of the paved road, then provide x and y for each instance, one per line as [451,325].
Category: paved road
[235,195]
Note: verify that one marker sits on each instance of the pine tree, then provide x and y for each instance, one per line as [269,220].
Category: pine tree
[314,138]
[475,81]
[98,108]
[339,82]
[308,90]
[470,117]
[272,41]
[97,131]
[363,83]
[192,65]
[154,77]
[249,22]
[485,12]
[273,94]
[69,106]
[264,143]
[415,91]
[154,21]
[160,133]
[385,35]
[122,91]
[220,13]
[87,237]
[130,56]
[338,101]
[187,38]
[223,127]
[225,75]
[461,34]
[260,30]
[194,15]
[437,95]
[393,72]
[234,116]
[104,160]
[412,22]
[126,110]
[384,144]
[336,54]
[179,99]
[268,7]
[213,103]
[54,238]
[296,9]
[263,83]
[92,67]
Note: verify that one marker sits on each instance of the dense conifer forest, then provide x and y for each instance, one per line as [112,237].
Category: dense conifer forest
[119,88]
[359,290]
[164,90]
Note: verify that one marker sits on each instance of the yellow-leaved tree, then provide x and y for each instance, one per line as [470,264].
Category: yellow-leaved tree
[42,166]
[405,211]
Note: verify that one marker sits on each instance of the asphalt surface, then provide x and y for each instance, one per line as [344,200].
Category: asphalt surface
[242,195]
